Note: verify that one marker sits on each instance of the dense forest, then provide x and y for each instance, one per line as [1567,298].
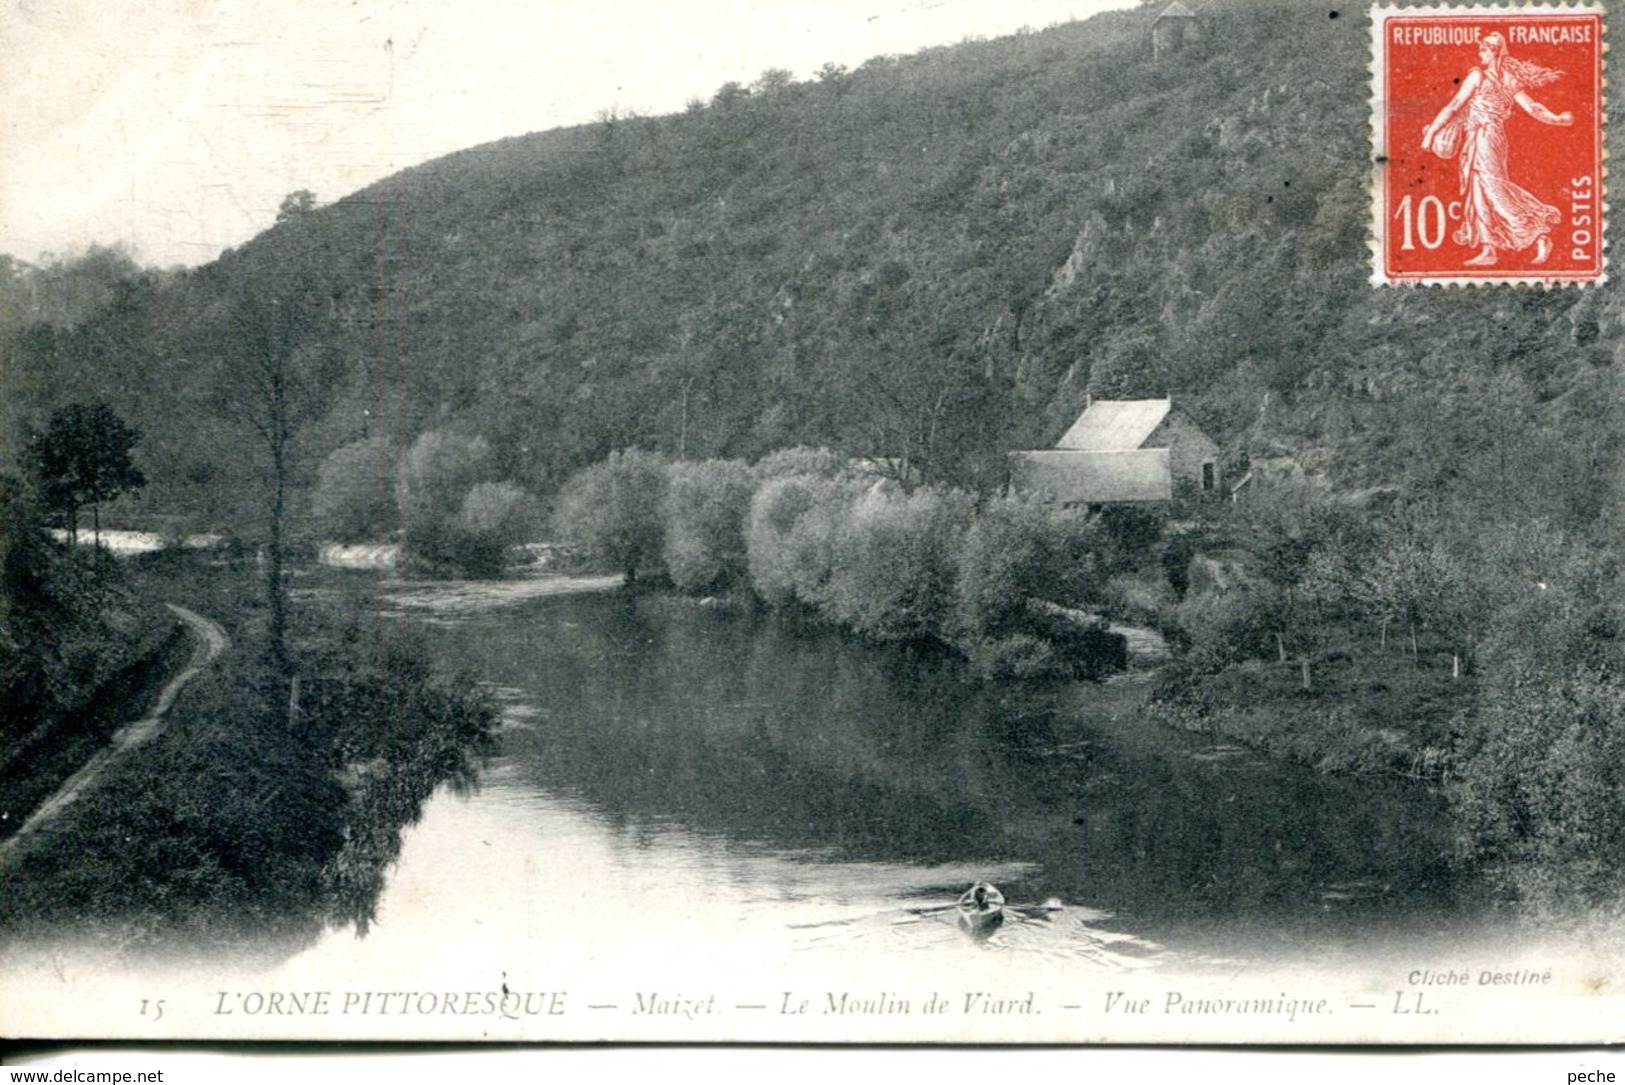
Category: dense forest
[927,262]
[929,258]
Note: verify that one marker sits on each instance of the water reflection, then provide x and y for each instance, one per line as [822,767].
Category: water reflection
[822,788]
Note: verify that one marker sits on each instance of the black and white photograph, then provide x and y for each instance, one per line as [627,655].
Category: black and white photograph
[882,522]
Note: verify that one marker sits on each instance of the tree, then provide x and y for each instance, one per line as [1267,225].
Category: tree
[612,511]
[706,507]
[1407,581]
[729,94]
[1002,564]
[354,498]
[1538,778]
[270,380]
[441,469]
[83,458]
[892,574]
[772,80]
[296,205]
[778,538]
[64,291]
[494,516]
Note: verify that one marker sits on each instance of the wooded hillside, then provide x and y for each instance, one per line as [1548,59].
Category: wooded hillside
[930,258]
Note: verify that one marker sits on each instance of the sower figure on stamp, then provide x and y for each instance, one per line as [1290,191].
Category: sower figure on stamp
[1496,214]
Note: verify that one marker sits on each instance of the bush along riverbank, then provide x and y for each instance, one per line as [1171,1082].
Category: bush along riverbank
[1330,643]
[1349,631]
[1014,586]
[1363,710]
[1525,744]
[273,803]
[1410,641]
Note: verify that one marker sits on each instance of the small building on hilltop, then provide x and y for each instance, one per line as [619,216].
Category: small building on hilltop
[1176,25]
[1121,451]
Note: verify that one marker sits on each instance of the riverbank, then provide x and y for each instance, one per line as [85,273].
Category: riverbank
[1013,585]
[1363,707]
[273,804]
[452,598]
[1369,707]
[206,641]
[51,744]
[81,655]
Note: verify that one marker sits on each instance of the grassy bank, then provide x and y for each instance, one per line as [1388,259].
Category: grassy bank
[266,809]
[81,654]
[47,746]
[1364,709]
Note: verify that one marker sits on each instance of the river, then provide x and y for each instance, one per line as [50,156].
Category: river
[701,822]
[779,789]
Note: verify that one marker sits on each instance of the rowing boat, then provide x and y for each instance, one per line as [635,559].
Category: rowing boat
[981,909]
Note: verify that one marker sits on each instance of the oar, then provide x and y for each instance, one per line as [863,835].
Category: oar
[825,923]
[1031,911]
[1036,911]
[935,909]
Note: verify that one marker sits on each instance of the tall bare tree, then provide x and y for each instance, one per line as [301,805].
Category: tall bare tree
[270,377]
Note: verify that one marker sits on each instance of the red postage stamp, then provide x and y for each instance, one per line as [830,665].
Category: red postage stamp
[1487,129]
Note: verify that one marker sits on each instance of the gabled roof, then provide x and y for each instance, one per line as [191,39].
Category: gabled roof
[1114,425]
[1176,10]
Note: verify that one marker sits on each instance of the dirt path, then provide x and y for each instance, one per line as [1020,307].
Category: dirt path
[212,640]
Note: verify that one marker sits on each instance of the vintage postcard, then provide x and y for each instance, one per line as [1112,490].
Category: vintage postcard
[896,523]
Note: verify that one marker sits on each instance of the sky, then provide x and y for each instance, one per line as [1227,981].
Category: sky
[176,127]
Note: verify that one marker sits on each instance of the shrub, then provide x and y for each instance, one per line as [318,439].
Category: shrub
[1074,555]
[1230,627]
[440,470]
[1539,774]
[354,498]
[1087,649]
[1176,565]
[1133,533]
[789,559]
[894,558]
[706,508]
[1539,787]
[242,821]
[611,512]
[1019,655]
[1001,564]
[1019,550]
[1139,599]
[68,620]
[494,516]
